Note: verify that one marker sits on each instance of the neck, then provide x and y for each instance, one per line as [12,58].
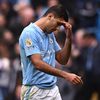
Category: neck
[41,23]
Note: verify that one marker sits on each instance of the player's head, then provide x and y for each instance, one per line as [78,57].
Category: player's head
[58,11]
[54,15]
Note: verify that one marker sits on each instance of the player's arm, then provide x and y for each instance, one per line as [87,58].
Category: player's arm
[44,67]
[63,55]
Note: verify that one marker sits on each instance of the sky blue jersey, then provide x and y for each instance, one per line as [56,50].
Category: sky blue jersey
[34,41]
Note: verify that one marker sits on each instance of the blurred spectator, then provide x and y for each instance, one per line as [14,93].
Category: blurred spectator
[2,21]
[52,2]
[87,15]
[5,68]
[92,69]
[18,72]
[98,23]
[78,56]
[41,9]
[2,24]
[72,21]
[79,38]
[67,90]
[17,64]
[7,10]
[9,40]
[25,16]
[8,37]
[24,1]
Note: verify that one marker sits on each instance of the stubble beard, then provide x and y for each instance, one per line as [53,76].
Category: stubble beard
[47,30]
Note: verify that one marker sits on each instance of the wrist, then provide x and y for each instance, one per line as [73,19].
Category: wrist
[69,39]
[64,74]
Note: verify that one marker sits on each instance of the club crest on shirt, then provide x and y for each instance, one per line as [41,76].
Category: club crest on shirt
[28,42]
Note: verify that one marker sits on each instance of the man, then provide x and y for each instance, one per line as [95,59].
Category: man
[38,50]
[91,68]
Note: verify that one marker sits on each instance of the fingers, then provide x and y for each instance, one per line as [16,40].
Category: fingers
[68,26]
[65,24]
[68,29]
[77,80]
[81,80]
[74,79]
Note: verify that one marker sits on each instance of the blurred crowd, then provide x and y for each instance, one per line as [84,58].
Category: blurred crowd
[84,15]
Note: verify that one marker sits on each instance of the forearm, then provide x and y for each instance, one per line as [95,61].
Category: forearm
[44,67]
[64,54]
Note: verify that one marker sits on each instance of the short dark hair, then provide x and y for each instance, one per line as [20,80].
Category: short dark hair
[59,11]
[89,35]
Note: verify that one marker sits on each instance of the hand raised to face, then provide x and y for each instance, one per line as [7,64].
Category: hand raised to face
[68,28]
[67,25]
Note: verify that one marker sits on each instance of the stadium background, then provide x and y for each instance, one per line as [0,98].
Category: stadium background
[16,14]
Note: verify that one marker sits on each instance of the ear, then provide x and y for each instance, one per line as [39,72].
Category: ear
[50,16]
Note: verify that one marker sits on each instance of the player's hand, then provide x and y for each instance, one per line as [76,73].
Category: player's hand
[67,25]
[68,28]
[73,78]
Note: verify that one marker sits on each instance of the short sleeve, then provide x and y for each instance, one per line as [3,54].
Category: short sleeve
[30,44]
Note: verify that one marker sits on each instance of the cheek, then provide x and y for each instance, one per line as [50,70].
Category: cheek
[54,25]
[53,22]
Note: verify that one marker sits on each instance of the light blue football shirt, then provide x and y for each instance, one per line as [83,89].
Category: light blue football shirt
[34,41]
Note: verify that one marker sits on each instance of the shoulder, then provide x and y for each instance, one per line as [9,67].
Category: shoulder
[28,31]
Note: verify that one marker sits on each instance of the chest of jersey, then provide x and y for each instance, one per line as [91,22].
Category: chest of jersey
[47,47]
